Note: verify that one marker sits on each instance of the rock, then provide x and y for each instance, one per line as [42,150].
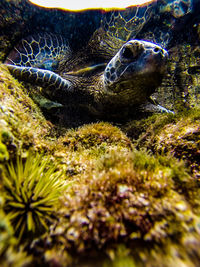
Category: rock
[20,18]
[177,135]
[181,86]
[132,194]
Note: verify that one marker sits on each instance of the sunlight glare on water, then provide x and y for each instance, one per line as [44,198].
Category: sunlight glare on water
[77,5]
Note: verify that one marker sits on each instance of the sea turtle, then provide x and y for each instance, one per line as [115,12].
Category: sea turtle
[110,77]
[155,21]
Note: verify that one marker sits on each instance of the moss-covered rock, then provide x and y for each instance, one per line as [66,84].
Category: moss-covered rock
[6,231]
[177,135]
[3,153]
[125,205]
[95,135]
[134,198]
[181,85]
[131,196]
[22,124]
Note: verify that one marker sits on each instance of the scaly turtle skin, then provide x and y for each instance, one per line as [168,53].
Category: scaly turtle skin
[110,84]
[110,76]
[40,51]
[128,23]
[154,22]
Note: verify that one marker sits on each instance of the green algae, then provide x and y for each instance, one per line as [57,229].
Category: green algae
[6,231]
[21,121]
[131,195]
[180,87]
[119,257]
[176,134]
[94,135]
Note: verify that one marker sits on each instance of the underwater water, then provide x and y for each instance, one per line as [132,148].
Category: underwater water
[100,135]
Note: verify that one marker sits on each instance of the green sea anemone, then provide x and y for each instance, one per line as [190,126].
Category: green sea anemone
[31,192]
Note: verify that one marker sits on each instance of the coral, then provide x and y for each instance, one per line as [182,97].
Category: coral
[31,191]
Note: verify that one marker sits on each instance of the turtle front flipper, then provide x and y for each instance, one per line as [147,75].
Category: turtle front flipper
[45,78]
[152,107]
[42,51]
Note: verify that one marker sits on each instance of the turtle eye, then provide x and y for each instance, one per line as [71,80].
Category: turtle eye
[127,53]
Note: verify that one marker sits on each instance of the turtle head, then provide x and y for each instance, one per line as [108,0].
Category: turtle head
[138,67]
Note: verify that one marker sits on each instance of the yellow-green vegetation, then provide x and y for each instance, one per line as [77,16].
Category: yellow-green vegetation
[80,148]
[10,253]
[120,257]
[180,86]
[130,196]
[22,124]
[95,135]
[93,192]
[6,231]
[3,153]
[178,135]
[31,191]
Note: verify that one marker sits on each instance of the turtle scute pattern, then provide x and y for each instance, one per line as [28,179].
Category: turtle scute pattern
[35,58]
[42,51]
[126,24]
[153,21]
[130,52]
[41,77]
[131,75]
[40,58]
